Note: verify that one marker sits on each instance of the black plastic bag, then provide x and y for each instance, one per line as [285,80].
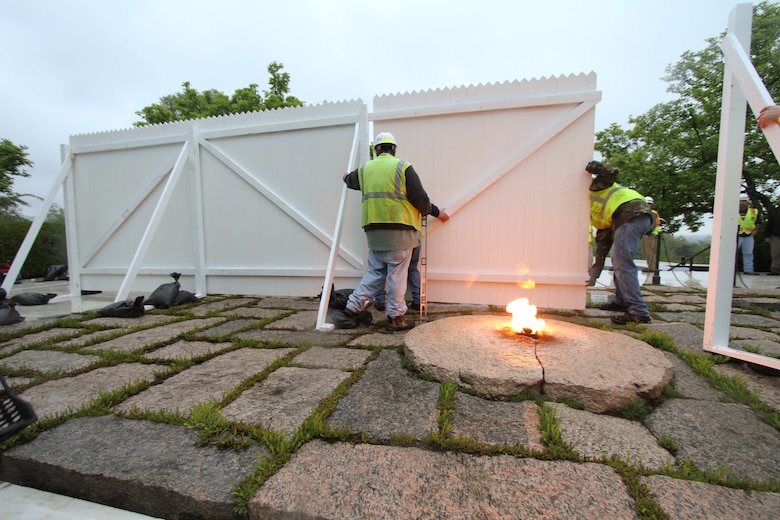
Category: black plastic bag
[338,298]
[165,295]
[124,309]
[30,298]
[8,313]
[185,297]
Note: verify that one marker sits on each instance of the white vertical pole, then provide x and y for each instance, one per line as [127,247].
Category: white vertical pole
[322,314]
[717,319]
[196,201]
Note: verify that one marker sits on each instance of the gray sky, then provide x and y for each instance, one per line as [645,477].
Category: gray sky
[85,66]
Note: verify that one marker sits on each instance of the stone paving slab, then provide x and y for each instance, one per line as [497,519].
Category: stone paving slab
[289,303]
[183,349]
[753,320]
[497,422]
[751,333]
[85,339]
[387,401]
[302,320]
[766,346]
[228,328]
[118,461]
[690,384]
[679,307]
[146,337]
[602,436]
[128,323]
[378,339]
[205,382]
[293,338]
[47,361]
[683,500]
[694,318]
[332,357]
[285,398]
[256,313]
[685,335]
[36,338]
[221,305]
[767,387]
[713,434]
[366,481]
[72,393]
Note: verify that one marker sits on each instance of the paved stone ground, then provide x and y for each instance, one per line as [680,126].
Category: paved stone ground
[267,373]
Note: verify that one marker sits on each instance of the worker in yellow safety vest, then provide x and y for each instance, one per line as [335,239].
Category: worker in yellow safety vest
[748,222]
[621,217]
[394,201]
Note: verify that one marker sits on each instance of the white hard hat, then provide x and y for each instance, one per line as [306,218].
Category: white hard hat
[649,200]
[744,196]
[384,138]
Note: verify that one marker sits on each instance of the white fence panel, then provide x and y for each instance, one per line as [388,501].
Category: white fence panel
[506,162]
[256,202]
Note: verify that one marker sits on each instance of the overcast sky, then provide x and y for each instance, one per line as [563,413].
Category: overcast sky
[83,66]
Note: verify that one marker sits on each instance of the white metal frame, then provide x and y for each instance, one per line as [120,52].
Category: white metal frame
[741,84]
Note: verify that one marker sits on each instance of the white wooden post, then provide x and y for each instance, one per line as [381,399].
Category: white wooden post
[717,321]
[322,313]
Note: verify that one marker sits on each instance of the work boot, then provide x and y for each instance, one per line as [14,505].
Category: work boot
[398,323]
[415,306]
[380,306]
[612,306]
[625,319]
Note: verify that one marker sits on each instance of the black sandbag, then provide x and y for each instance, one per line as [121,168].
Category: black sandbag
[338,298]
[124,309]
[165,295]
[185,297]
[56,272]
[8,313]
[30,298]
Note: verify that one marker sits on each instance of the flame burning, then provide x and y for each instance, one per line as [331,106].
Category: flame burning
[524,318]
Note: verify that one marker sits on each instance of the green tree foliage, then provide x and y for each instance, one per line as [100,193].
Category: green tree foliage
[670,152]
[13,159]
[191,104]
[48,249]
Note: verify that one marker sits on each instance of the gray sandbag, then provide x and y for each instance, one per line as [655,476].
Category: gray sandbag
[124,309]
[165,295]
[8,313]
[31,298]
[185,297]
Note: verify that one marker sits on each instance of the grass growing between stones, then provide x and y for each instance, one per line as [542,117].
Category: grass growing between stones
[646,506]
[552,436]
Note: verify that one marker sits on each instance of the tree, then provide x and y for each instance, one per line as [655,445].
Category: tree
[670,152]
[191,104]
[13,159]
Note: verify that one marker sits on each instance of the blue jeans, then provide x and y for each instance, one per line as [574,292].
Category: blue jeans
[745,244]
[383,266]
[413,279]
[627,239]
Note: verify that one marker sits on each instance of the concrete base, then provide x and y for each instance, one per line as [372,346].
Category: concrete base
[603,370]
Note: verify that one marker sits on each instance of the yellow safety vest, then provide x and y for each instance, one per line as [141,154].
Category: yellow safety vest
[603,204]
[657,222]
[747,223]
[383,184]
